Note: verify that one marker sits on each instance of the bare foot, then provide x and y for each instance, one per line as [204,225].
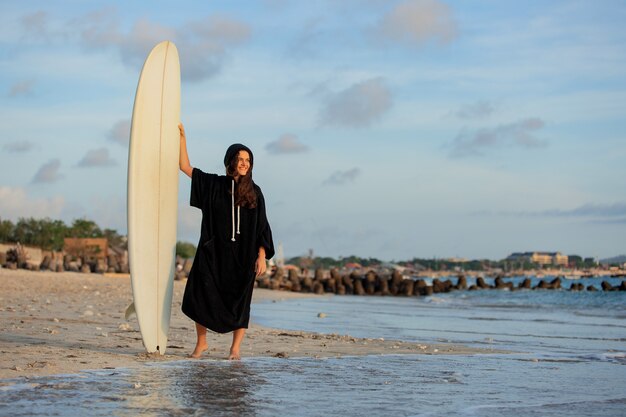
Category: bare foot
[198,351]
[234,355]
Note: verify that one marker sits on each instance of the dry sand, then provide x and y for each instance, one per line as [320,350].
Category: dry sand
[60,323]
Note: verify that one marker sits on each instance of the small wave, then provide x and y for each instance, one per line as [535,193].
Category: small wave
[609,407]
[609,357]
[614,357]
[9,387]
[436,300]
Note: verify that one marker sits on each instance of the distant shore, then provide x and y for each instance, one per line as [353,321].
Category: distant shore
[59,323]
[539,273]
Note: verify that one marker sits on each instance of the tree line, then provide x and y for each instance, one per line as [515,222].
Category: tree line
[48,234]
[328,262]
[435,264]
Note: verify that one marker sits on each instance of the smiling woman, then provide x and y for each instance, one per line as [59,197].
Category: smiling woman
[235,241]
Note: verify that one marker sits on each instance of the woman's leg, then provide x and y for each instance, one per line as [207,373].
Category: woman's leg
[201,344]
[234,348]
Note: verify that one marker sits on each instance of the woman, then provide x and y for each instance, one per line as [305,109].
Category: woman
[235,241]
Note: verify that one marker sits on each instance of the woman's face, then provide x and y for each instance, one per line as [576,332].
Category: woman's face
[243,163]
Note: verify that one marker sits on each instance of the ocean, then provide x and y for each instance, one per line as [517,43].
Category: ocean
[568,357]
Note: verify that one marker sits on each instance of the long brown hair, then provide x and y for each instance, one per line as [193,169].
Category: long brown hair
[245,196]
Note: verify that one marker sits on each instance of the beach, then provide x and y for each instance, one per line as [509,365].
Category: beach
[67,350]
[61,323]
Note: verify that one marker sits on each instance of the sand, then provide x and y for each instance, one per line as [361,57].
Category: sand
[60,323]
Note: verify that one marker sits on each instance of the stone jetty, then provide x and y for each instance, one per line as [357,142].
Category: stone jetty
[394,284]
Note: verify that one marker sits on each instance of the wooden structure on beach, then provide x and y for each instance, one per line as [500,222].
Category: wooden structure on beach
[89,249]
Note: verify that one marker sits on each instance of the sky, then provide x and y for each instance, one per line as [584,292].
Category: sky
[380,128]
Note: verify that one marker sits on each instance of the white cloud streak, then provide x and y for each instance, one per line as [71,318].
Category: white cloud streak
[357,106]
[21,88]
[600,213]
[589,210]
[416,22]
[286,144]
[96,158]
[15,203]
[18,146]
[36,24]
[120,132]
[518,134]
[203,44]
[48,172]
[343,177]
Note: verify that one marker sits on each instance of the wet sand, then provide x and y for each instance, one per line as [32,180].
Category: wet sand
[60,323]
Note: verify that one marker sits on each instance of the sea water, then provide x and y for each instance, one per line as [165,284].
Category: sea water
[569,357]
[552,323]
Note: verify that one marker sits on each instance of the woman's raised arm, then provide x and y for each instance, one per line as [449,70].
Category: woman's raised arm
[183,161]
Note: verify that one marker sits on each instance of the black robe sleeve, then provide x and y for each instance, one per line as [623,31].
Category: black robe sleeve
[264,232]
[202,185]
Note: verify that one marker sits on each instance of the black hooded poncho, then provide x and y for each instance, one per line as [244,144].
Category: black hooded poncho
[221,280]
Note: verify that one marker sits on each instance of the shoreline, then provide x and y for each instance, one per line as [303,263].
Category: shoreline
[63,323]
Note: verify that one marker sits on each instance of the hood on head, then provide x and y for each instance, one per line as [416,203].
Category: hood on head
[233,150]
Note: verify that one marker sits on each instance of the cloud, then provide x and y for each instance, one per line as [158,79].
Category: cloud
[588,210]
[120,132]
[416,22]
[343,177]
[304,45]
[49,172]
[357,106]
[607,211]
[96,158]
[15,203]
[222,29]
[134,46]
[203,44]
[611,221]
[514,134]
[476,110]
[21,88]
[18,146]
[36,24]
[287,143]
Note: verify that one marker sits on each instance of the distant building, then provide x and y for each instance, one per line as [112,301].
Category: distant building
[456,260]
[88,248]
[541,258]
[353,265]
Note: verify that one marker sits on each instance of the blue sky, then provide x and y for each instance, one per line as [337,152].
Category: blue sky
[392,129]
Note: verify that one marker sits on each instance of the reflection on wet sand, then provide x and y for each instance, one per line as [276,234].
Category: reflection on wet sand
[224,386]
[197,387]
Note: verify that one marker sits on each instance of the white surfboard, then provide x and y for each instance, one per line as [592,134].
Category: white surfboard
[153,193]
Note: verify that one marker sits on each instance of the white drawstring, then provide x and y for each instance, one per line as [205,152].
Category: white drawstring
[233,208]
[233,212]
[238,219]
